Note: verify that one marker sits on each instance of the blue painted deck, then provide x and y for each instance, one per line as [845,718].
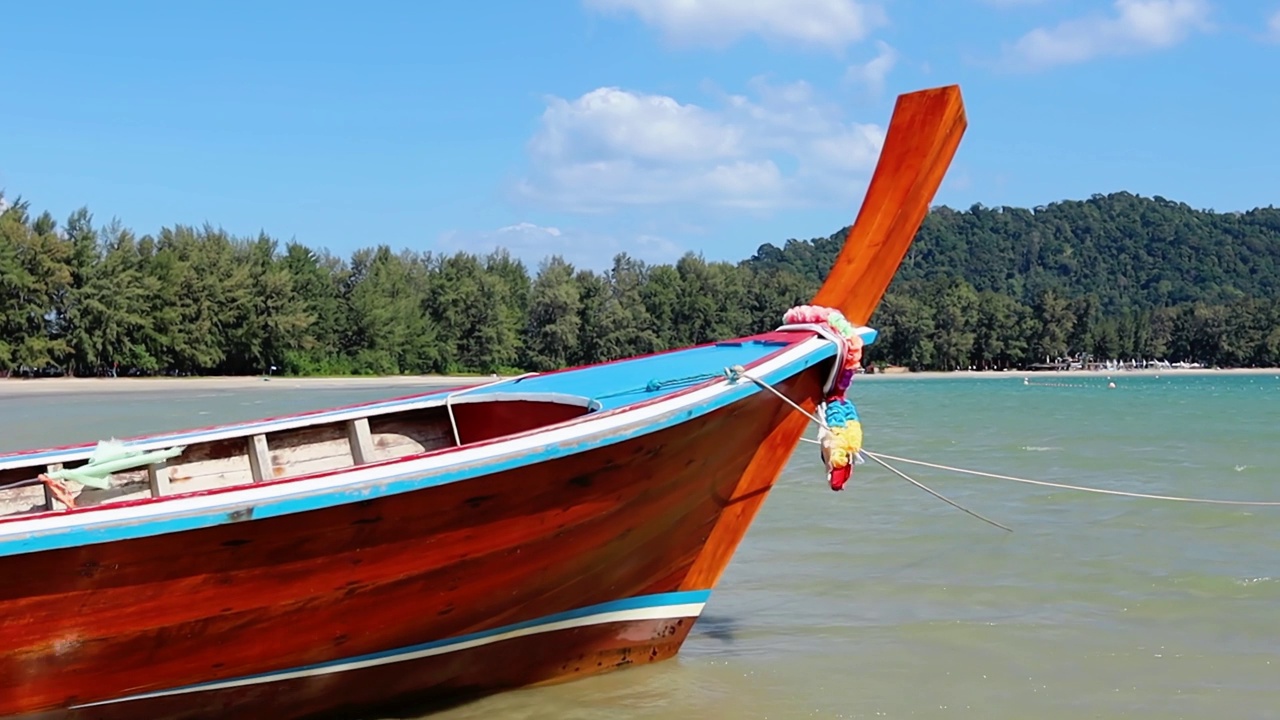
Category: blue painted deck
[612,385]
[627,382]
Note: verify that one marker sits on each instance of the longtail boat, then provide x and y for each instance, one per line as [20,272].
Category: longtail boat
[438,547]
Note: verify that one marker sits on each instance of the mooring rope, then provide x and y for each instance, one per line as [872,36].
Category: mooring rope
[737,372]
[655,385]
[925,488]
[1079,488]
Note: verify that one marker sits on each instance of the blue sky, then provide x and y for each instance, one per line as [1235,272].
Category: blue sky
[588,127]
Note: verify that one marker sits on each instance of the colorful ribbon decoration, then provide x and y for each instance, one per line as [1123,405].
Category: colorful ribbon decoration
[841,439]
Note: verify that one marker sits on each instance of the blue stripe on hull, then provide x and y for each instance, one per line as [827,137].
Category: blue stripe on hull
[604,380]
[77,536]
[671,605]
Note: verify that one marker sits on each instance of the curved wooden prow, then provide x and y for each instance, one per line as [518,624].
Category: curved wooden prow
[923,136]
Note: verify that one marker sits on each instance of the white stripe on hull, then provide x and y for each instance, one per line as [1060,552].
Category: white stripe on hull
[586,431]
[661,612]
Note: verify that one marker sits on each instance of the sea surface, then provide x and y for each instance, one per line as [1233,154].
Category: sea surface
[882,602]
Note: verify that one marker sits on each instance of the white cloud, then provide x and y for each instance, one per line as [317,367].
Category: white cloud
[654,127]
[1011,3]
[873,73]
[780,146]
[534,243]
[1273,27]
[1135,26]
[826,23]
[528,228]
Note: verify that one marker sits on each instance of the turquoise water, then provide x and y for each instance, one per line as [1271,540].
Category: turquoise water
[882,602]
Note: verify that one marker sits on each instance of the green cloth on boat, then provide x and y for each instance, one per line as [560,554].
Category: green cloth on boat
[112,456]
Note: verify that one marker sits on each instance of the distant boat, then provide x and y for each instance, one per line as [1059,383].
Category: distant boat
[434,548]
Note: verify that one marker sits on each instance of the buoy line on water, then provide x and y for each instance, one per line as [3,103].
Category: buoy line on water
[1027,381]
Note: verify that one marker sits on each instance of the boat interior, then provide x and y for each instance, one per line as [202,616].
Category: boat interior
[171,464]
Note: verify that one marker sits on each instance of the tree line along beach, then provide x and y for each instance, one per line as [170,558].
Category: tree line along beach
[1113,276]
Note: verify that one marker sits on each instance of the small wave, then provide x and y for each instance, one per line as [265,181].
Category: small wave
[1039,448]
[1255,581]
[1241,468]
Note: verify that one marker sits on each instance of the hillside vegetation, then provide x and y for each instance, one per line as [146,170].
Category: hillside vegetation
[1115,276]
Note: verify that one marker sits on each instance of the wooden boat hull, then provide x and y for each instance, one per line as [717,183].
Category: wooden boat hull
[420,686]
[450,590]
[421,550]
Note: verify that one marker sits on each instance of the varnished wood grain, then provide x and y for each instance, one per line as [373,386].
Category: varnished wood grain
[304,450]
[487,420]
[747,496]
[653,514]
[922,139]
[923,135]
[413,688]
[89,623]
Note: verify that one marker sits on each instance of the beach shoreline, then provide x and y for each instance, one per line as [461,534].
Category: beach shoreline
[14,387]
[1058,374]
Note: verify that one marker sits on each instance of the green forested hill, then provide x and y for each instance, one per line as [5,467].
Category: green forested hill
[1125,250]
[1116,276]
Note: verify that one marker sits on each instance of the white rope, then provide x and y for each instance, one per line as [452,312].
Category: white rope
[1064,486]
[830,333]
[737,372]
[941,497]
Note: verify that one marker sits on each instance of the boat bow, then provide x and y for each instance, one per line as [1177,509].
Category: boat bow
[445,545]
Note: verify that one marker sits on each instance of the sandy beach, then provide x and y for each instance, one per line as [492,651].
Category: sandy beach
[1059,374]
[12,387]
[25,388]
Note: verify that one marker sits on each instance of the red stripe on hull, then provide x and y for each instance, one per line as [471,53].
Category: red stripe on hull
[103,621]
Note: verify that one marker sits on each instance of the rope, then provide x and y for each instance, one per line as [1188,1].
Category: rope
[1080,488]
[841,434]
[737,372]
[54,487]
[656,385]
[448,399]
[834,337]
[28,482]
[944,499]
